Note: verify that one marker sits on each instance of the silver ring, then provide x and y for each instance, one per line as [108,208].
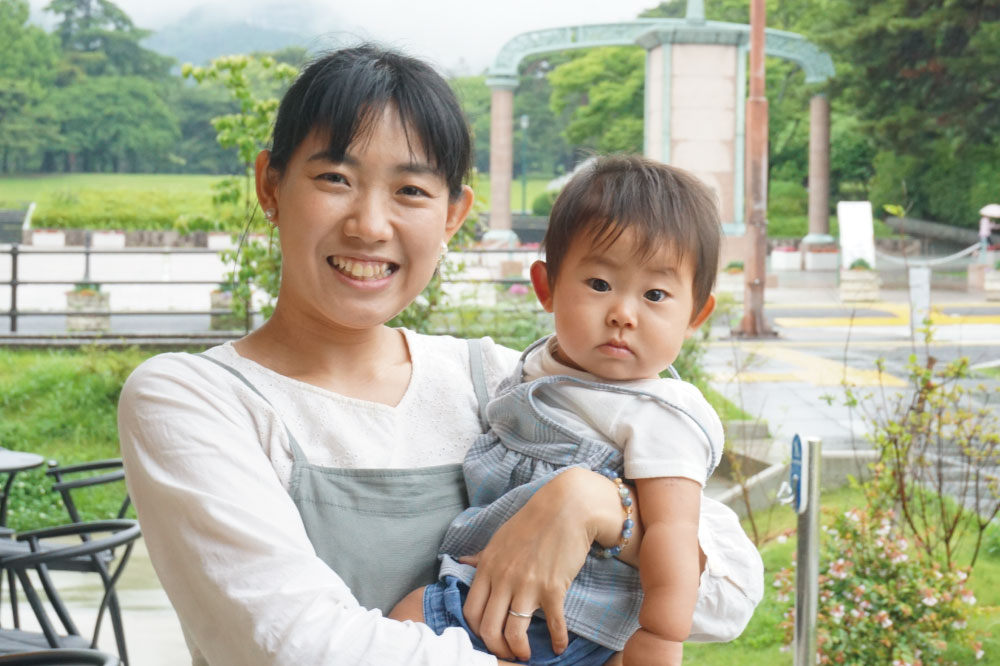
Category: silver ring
[516,614]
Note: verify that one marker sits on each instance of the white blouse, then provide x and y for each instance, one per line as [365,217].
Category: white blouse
[208,462]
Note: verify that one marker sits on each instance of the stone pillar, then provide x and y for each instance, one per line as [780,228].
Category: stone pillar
[501,150]
[819,172]
[657,104]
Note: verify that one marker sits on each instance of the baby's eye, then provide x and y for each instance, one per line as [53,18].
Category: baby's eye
[597,284]
[655,295]
[412,191]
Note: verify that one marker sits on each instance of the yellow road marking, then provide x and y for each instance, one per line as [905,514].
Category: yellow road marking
[811,369]
[899,315]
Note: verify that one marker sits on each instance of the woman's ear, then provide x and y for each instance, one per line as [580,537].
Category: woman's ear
[458,210]
[540,281]
[266,181]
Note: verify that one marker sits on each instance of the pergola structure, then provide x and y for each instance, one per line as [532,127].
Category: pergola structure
[696,74]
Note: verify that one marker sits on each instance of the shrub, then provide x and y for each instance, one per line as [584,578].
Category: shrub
[542,204]
[882,601]
[860,265]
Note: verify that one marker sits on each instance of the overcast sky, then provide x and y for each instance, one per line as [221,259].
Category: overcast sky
[462,34]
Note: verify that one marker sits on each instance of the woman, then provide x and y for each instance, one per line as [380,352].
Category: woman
[289,480]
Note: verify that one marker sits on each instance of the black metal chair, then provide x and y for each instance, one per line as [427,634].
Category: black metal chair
[65,486]
[59,656]
[42,557]
[67,480]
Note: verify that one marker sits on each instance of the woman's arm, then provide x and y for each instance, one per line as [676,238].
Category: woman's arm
[532,559]
[227,541]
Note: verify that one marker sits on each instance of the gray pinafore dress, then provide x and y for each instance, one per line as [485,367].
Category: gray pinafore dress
[379,529]
[524,449]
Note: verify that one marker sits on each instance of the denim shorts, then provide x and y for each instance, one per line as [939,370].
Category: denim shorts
[443,603]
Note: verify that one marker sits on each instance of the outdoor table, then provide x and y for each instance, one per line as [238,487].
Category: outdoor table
[12,462]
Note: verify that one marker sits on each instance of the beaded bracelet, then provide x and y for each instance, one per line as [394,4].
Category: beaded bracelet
[627,526]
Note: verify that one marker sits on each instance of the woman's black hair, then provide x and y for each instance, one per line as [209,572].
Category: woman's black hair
[343,94]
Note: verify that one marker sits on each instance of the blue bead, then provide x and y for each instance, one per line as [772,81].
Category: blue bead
[628,524]
[614,551]
[627,501]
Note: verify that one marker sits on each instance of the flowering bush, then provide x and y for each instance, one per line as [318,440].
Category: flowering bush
[882,601]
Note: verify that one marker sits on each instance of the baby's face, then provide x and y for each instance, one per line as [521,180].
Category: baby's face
[619,318]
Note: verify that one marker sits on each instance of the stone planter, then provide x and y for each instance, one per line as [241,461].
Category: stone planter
[821,260]
[859,285]
[991,285]
[223,300]
[785,258]
[89,310]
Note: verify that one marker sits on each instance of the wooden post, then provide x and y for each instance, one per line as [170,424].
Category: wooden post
[754,324]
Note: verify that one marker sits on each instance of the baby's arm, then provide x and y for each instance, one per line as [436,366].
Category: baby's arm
[668,569]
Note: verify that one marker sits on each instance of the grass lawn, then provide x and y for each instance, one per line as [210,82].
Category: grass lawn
[63,405]
[109,201]
[155,201]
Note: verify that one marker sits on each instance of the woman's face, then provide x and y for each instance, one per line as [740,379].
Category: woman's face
[360,238]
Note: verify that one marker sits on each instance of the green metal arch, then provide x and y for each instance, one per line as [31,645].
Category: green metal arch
[817,64]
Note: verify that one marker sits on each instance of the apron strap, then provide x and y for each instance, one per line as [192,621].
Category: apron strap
[297,454]
[479,379]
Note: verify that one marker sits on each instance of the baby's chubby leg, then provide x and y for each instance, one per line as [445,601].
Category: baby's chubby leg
[410,608]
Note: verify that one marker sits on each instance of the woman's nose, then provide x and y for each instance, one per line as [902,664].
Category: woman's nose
[369,220]
[621,314]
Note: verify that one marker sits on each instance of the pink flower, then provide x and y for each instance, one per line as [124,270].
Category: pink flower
[883,619]
[518,290]
[837,613]
[929,598]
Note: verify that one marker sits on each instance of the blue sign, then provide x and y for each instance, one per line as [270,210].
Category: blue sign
[797,475]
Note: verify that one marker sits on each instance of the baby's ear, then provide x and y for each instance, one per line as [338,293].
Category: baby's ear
[705,312]
[540,281]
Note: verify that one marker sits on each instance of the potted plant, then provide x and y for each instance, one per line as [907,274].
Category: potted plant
[859,282]
[991,283]
[223,318]
[89,308]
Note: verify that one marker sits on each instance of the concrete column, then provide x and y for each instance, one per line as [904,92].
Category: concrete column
[501,150]
[819,171]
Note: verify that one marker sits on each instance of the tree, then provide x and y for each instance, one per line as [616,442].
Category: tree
[27,63]
[98,38]
[921,75]
[115,124]
[603,91]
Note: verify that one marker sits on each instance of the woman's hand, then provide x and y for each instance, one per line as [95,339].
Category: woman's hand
[532,559]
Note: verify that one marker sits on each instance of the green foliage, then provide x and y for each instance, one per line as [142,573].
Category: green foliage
[602,90]
[882,601]
[939,444]
[860,265]
[27,62]
[115,123]
[542,204]
[733,267]
[61,404]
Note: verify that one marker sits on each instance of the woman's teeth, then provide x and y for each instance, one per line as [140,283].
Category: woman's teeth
[362,270]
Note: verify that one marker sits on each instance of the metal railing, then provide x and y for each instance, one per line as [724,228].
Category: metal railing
[15,251]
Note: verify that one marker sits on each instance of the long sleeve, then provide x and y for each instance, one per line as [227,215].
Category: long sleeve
[228,543]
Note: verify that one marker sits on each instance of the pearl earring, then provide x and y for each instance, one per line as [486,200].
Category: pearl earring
[269,214]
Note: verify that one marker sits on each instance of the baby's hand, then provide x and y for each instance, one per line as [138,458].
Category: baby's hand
[645,648]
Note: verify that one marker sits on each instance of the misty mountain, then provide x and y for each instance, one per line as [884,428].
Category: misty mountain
[208,32]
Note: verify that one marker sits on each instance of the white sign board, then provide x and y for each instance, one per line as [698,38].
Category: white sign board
[857,233]
[920,297]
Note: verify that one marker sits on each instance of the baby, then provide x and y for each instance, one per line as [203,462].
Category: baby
[631,257]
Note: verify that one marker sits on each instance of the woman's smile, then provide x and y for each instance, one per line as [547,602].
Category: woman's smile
[362,269]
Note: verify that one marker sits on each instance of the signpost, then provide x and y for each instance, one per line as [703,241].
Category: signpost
[802,492]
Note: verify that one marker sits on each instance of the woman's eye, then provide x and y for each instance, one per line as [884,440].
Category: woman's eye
[412,191]
[333,178]
[655,295]
[597,284]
